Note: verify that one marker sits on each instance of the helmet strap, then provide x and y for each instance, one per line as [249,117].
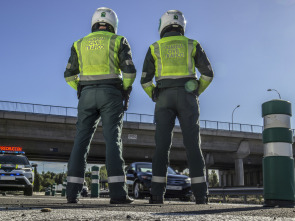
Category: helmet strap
[96,27]
[169,28]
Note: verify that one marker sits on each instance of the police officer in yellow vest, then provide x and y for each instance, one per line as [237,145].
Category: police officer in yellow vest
[172,60]
[94,68]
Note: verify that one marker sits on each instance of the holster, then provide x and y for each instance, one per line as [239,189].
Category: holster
[126,97]
[155,94]
[79,90]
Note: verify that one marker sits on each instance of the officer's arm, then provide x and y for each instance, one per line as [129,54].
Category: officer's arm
[126,64]
[148,73]
[204,67]
[72,69]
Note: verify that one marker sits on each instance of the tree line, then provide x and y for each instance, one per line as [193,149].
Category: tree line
[44,180]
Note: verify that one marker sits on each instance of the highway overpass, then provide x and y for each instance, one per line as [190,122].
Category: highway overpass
[48,137]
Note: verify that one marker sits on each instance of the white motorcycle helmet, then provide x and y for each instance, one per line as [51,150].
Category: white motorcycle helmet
[172,18]
[105,15]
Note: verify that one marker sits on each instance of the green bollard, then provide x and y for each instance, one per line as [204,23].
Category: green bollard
[47,191]
[278,161]
[94,182]
[53,189]
[64,186]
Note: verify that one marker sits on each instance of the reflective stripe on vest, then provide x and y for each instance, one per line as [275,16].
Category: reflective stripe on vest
[159,179]
[200,179]
[174,57]
[72,179]
[98,56]
[116,179]
[145,85]
[129,75]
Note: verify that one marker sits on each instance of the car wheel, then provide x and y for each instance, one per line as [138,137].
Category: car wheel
[136,191]
[28,191]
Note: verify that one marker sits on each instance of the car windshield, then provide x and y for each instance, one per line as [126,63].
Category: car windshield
[147,168]
[13,159]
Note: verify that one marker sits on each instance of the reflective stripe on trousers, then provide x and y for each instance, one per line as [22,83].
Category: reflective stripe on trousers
[200,179]
[159,179]
[72,179]
[116,179]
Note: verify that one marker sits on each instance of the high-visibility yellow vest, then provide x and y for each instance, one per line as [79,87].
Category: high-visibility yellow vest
[98,56]
[174,57]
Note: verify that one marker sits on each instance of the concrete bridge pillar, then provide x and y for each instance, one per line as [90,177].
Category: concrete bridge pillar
[242,152]
[220,174]
[255,176]
[239,170]
[228,178]
[224,178]
[209,161]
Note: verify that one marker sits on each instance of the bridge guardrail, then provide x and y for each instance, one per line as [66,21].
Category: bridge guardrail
[240,191]
[223,192]
[129,117]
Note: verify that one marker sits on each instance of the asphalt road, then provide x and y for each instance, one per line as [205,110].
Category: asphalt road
[41,207]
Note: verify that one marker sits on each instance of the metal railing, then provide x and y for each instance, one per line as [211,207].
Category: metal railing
[129,117]
[240,191]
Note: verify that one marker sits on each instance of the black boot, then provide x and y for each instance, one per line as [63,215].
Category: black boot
[72,200]
[122,200]
[202,200]
[156,200]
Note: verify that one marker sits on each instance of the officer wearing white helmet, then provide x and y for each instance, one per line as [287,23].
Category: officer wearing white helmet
[100,68]
[172,61]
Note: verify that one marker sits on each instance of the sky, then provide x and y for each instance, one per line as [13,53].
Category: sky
[250,45]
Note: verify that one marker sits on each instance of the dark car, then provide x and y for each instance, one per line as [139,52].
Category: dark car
[139,176]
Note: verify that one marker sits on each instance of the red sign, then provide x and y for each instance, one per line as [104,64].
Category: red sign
[11,148]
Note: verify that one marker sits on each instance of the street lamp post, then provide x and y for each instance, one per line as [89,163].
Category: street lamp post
[232,116]
[276,91]
[63,170]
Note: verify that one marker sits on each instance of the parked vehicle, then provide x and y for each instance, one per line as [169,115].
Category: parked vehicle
[139,175]
[84,192]
[16,173]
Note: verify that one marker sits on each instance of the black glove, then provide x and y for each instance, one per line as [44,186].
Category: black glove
[155,94]
[126,97]
[79,90]
[195,92]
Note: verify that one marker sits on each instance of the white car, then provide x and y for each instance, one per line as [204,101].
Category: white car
[16,173]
